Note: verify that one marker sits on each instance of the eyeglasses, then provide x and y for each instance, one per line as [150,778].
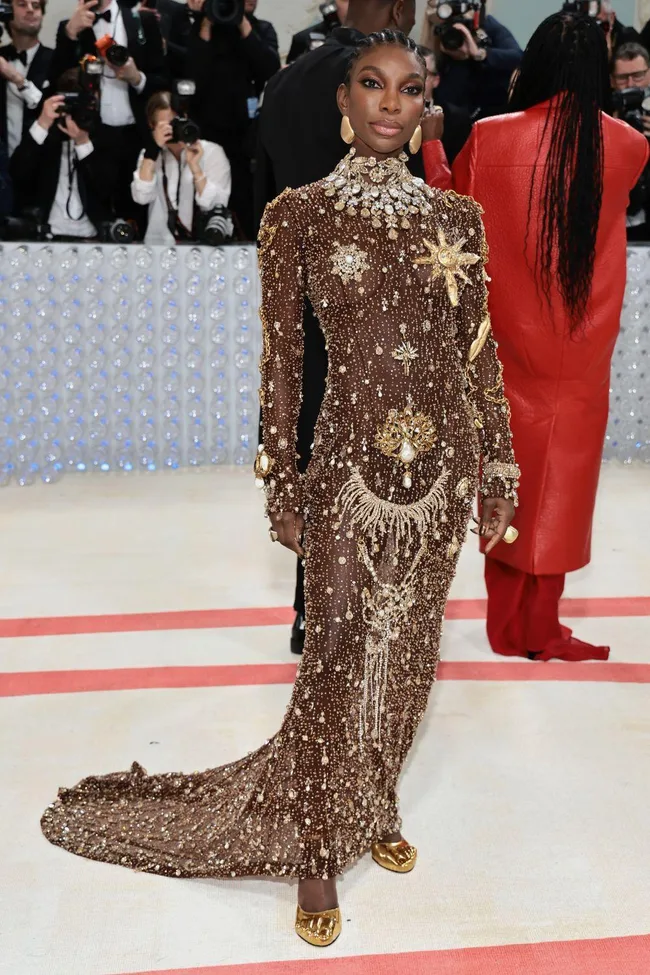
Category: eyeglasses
[637,77]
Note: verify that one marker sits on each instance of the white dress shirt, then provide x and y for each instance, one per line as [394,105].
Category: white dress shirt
[28,95]
[115,107]
[216,167]
[67,199]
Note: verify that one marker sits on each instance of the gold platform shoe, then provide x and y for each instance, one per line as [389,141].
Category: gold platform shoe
[399,857]
[320,929]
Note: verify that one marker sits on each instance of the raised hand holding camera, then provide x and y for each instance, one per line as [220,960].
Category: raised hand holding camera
[70,128]
[129,72]
[51,111]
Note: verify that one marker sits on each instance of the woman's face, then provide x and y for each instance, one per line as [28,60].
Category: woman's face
[385,100]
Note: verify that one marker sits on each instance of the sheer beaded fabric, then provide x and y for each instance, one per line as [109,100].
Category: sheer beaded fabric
[414,401]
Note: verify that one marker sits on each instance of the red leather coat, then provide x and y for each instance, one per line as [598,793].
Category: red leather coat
[558,386]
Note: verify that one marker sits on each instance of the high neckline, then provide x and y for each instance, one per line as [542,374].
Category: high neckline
[382,191]
[376,170]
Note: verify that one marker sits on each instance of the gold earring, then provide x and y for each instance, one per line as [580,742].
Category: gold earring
[416,140]
[347,132]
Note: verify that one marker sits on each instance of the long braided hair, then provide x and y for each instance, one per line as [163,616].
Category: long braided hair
[566,60]
[379,38]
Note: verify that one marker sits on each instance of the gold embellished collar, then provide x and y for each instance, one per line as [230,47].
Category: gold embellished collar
[382,191]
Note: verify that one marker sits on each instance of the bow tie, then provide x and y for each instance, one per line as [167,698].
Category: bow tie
[14,55]
[105,16]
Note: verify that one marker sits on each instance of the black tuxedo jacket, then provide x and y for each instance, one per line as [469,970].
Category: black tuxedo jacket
[39,72]
[35,168]
[145,47]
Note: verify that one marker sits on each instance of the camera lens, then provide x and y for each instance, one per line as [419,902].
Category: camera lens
[117,55]
[224,13]
[452,38]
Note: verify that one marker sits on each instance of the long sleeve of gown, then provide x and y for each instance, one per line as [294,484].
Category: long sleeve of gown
[281,265]
[484,372]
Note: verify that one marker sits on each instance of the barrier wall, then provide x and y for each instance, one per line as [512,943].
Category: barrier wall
[139,358]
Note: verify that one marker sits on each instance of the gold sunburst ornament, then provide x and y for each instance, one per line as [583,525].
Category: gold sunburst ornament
[448,261]
[406,354]
[404,435]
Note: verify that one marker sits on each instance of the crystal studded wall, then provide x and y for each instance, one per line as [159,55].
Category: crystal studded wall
[628,431]
[116,358]
[139,358]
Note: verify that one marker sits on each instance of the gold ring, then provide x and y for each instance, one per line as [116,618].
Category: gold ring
[273,535]
[511,535]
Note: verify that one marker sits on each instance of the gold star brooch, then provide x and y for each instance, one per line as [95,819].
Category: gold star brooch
[447,260]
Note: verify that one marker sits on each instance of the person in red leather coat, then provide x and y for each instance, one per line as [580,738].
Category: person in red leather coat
[554,178]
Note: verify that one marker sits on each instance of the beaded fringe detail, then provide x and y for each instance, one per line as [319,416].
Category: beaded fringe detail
[386,608]
[376,516]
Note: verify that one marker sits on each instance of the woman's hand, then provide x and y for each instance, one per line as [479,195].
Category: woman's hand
[290,528]
[194,155]
[496,516]
[433,124]
[162,133]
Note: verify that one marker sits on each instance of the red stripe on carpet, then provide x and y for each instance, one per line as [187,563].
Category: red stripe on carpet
[155,678]
[201,619]
[606,956]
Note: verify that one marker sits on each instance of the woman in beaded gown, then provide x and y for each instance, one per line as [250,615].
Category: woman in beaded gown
[414,401]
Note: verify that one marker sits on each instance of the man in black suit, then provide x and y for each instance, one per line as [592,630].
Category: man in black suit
[63,171]
[125,89]
[24,70]
[299,142]
[335,15]
[263,28]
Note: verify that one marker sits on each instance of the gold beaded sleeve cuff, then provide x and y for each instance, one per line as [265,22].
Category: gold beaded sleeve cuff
[283,490]
[501,481]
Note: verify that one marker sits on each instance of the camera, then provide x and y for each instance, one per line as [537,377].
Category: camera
[183,128]
[329,13]
[6,13]
[218,227]
[31,225]
[452,12]
[76,106]
[224,13]
[82,106]
[588,8]
[116,232]
[632,105]
[116,54]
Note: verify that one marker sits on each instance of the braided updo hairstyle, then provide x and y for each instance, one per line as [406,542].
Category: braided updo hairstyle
[383,38]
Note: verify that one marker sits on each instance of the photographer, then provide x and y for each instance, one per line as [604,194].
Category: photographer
[263,28]
[24,70]
[618,33]
[134,67]
[477,55]
[174,176]
[59,169]
[334,13]
[230,64]
[631,98]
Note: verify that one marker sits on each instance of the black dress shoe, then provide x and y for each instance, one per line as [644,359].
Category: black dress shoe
[298,634]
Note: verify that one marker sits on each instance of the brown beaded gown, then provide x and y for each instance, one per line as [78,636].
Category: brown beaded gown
[414,400]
